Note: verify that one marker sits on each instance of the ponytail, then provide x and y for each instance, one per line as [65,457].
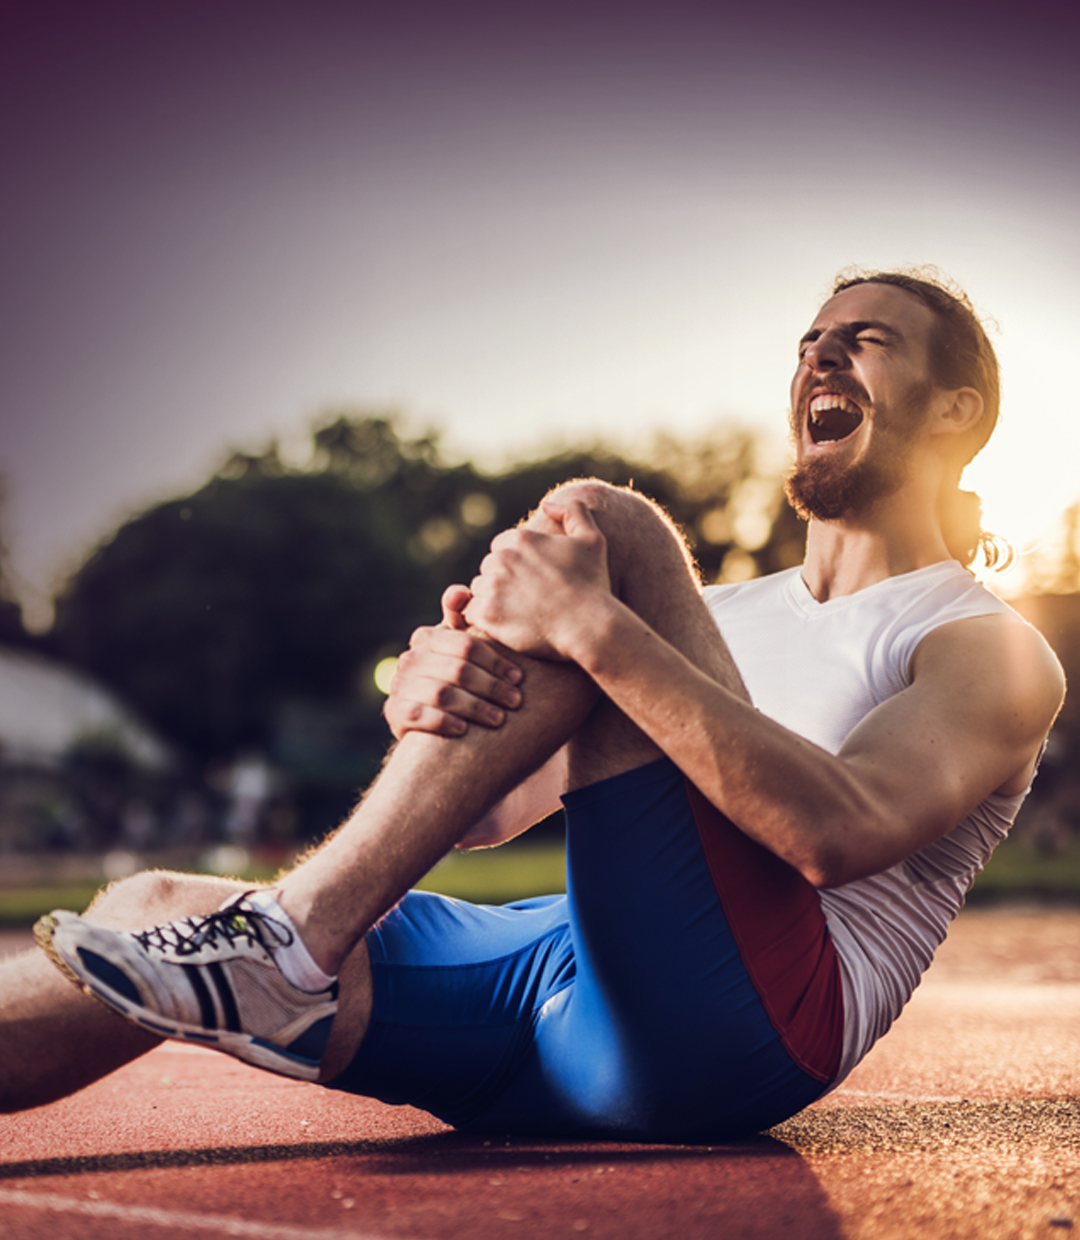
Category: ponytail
[961,527]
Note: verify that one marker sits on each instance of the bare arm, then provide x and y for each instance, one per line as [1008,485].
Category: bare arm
[450,679]
[984,695]
[985,692]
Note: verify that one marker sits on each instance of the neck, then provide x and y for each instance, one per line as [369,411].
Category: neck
[893,536]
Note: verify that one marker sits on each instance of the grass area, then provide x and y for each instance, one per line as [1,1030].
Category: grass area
[22,906]
[498,875]
[486,876]
[1017,869]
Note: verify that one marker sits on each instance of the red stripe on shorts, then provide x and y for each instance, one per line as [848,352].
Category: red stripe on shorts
[776,919]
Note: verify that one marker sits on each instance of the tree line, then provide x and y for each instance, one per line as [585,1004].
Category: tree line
[248,616]
[272,590]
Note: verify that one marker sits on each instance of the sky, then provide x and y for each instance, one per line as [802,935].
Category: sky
[520,224]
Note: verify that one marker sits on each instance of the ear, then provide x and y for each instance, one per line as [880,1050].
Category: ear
[956,411]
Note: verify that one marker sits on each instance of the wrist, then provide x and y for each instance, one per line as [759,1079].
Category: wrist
[593,631]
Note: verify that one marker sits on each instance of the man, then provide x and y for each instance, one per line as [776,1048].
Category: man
[754,889]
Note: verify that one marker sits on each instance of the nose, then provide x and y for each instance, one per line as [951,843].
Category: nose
[825,354]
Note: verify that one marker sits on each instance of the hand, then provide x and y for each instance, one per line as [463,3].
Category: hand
[449,678]
[536,586]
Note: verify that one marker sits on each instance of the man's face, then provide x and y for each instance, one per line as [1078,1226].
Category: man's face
[858,399]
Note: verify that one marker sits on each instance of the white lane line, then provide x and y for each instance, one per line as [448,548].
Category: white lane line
[222,1224]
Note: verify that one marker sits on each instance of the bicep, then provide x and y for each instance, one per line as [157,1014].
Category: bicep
[983,696]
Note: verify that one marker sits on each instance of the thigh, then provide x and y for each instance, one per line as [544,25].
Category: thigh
[456,991]
[707,999]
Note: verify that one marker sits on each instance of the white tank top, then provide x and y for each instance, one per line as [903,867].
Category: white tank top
[818,668]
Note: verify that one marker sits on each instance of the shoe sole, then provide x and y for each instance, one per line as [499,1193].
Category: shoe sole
[244,1046]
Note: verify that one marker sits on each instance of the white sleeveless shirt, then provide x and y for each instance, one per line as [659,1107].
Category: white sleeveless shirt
[818,669]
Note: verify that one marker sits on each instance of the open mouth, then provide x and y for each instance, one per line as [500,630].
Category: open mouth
[833,417]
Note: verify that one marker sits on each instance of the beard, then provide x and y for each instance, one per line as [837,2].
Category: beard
[826,488]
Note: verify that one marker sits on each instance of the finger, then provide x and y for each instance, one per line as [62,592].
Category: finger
[454,601]
[555,510]
[460,702]
[404,717]
[574,516]
[426,700]
[474,650]
[421,637]
[513,540]
[453,685]
[500,542]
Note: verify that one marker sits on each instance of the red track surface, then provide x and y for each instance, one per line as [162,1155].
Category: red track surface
[963,1122]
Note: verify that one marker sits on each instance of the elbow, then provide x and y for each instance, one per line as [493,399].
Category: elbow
[854,851]
[824,870]
[821,863]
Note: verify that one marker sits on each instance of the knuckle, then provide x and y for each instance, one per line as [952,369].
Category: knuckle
[471,647]
[444,695]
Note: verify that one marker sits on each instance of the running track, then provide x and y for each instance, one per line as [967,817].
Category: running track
[965,1122]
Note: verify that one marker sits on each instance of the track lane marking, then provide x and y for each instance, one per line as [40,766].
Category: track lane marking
[220,1223]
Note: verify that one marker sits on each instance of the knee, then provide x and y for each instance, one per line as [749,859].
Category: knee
[639,532]
[135,902]
[155,896]
[606,499]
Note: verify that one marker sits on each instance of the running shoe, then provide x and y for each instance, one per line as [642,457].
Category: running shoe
[211,981]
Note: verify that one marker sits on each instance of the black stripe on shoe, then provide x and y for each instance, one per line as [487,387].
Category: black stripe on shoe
[225,995]
[202,993]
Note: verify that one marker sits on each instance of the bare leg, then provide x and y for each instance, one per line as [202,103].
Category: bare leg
[434,788]
[653,573]
[430,792]
[55,1040]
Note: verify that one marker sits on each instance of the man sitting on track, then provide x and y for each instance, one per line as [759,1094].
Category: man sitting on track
[754,889]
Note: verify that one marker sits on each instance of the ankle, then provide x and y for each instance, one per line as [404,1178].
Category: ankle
[323,952]
[293,957]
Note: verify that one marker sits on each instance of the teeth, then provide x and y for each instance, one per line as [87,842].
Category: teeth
[823,404]
[832,417]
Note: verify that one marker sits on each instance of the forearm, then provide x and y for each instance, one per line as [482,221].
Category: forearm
[803,803]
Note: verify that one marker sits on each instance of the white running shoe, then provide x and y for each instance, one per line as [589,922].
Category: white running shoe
[211,981]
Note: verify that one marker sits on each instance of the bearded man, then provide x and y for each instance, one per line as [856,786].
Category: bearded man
[777,794]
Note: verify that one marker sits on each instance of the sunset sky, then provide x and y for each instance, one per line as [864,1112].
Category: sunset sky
[517,223]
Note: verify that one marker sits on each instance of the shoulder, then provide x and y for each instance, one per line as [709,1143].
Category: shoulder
[999,660]
[916,605]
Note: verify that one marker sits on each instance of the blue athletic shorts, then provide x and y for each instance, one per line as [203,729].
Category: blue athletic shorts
[684,989]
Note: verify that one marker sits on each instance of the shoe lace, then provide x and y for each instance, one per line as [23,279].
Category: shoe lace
[224,927]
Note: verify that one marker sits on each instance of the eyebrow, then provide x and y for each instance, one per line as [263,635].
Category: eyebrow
[854,328]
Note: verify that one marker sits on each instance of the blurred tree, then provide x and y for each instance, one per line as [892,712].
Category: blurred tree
[12,630]
[207,612]
[273,586]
